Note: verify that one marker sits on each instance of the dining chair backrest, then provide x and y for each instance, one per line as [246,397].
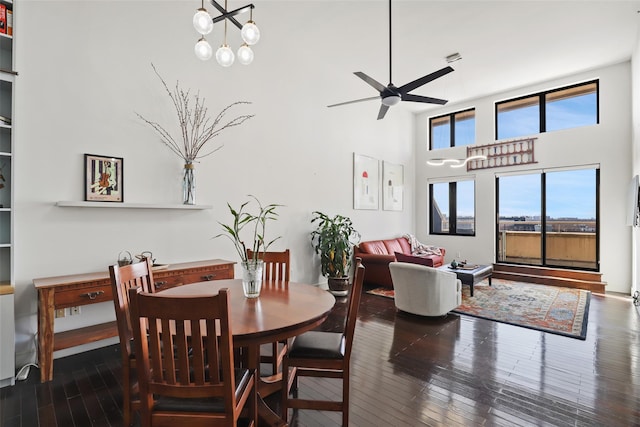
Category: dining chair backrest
[355,294]
[276,265]
[133,276]
[275,273]
[185,359]
[123,278]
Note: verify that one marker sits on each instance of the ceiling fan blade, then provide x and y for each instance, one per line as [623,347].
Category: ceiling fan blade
[383,111]
[424,80]
[376,85]
[425,99]
[353,102]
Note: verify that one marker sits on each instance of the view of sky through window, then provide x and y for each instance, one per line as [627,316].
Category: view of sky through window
[570,194]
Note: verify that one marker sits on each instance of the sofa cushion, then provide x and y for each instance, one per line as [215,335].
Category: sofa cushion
[393,245]
[413,259]
[374,247]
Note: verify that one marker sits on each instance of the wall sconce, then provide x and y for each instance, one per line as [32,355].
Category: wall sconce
[203,23]
[454,163]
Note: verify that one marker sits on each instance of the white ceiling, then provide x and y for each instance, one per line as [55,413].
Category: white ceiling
[504,44]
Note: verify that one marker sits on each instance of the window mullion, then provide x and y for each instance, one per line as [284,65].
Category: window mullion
[542,101]
[453,210]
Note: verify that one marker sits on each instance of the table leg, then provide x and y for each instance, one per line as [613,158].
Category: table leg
[265,387]
[471,288]
[489,280]
[45,333]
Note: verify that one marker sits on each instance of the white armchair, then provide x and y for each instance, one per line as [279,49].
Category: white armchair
[425,290]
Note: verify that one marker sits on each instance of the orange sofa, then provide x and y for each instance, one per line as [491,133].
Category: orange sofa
[377,254]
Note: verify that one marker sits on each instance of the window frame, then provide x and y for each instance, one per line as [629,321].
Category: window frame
[453,208]
[542,104]
[543,216]
[452,127]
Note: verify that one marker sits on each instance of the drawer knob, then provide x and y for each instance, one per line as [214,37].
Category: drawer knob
[93,295]
[208,277]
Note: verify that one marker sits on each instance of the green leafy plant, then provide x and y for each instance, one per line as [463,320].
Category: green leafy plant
[333,240]
[254,223]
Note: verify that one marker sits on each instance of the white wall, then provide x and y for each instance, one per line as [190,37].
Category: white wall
[607,144]
[85,70]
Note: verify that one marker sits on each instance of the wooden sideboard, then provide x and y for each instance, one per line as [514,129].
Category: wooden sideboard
[82,289]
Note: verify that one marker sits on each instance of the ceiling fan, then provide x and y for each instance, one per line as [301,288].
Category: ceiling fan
[391,95]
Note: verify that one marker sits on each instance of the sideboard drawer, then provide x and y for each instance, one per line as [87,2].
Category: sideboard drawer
[205,276]
[162,283]
[83,296]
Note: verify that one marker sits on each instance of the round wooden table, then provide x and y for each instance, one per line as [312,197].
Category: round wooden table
[283,310]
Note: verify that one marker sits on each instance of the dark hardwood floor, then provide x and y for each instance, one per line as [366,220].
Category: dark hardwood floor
[410,371]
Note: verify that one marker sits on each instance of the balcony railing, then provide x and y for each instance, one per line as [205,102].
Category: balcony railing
[570,249]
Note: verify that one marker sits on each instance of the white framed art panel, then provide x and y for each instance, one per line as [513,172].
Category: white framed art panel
[366,179]
[392,186]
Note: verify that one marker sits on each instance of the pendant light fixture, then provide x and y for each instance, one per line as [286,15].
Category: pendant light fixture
[250,32]
[203,23]
[224,54]
[202,20]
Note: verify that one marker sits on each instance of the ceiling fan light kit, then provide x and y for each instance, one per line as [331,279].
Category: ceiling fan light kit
[390,94]
[203,23]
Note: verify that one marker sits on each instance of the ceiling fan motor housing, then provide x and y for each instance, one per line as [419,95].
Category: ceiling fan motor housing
[390,96]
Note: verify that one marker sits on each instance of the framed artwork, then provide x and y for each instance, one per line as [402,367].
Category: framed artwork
[392,186]
[103,178]
[366,178]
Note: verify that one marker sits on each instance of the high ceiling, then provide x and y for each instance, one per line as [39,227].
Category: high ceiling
[504,44]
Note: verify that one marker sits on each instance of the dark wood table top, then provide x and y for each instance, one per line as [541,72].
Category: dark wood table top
[278,313]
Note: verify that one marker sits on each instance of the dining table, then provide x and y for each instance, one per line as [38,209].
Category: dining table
[283,310]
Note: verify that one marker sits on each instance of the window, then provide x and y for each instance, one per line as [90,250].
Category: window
[463,132]
[558,109]
[453,207]
[549,219]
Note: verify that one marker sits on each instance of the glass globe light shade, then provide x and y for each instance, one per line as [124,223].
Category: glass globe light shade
[202,21]
[250,33]
[203,50]
[225,56]
[245,55]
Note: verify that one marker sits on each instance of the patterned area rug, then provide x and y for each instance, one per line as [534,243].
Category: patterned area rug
[562,311]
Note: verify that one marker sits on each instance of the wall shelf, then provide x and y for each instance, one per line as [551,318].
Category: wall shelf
[130,205]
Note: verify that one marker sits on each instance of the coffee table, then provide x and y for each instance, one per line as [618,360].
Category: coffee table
[471,274]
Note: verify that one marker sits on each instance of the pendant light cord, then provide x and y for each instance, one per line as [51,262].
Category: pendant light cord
[225,23]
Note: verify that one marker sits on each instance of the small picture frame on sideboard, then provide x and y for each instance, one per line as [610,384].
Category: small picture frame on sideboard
[103,178]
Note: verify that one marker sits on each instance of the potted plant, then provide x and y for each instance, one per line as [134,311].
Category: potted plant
[333,240]
[256,225]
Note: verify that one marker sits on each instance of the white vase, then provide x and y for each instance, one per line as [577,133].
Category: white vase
[189,184]
[252,278]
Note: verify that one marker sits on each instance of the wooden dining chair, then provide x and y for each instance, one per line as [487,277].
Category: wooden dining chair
[323,354]
[275,272]
[123,278]
[185,369]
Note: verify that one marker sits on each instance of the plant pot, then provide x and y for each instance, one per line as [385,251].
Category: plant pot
[338,286]
[252,278]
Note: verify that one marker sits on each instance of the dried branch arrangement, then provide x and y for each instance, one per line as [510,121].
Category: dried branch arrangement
[196,127]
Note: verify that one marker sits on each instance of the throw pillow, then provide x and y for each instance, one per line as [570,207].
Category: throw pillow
[412,259]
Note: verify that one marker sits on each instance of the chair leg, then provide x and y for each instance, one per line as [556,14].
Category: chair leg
[345,397]
[126,394]
[274,357]
[285,392]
